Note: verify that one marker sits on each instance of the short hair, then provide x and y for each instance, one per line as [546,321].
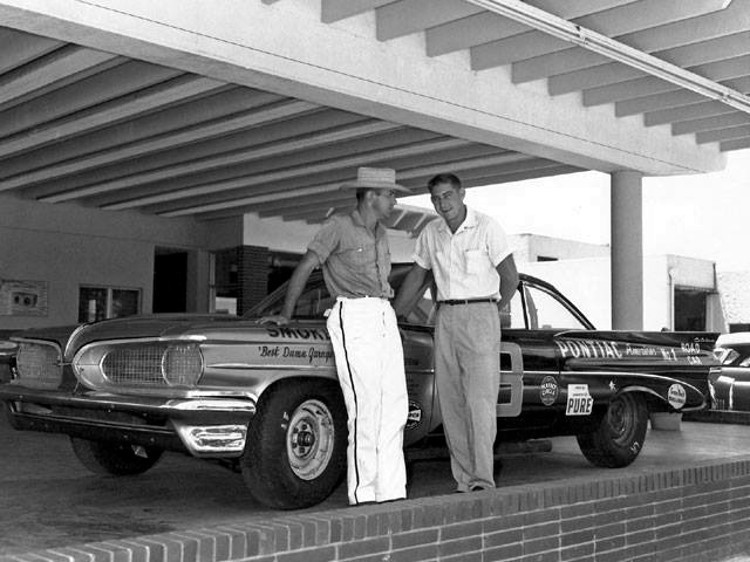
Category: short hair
[444,178]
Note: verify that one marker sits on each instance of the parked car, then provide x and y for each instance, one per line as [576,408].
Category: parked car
[265,399]
[729,384]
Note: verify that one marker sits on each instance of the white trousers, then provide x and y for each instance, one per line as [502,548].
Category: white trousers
[370,366]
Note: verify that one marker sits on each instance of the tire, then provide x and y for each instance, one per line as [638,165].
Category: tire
[116,459]
[295,455]
[618,439]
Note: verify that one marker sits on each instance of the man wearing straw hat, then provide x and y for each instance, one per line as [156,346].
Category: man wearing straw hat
[353,252]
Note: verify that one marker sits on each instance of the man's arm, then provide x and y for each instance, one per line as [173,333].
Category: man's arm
[294,289]
[409,288]
[508,279]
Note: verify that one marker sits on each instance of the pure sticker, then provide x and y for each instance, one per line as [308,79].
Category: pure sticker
[580,402]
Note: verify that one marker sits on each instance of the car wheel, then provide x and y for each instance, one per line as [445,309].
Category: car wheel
[618,439]
[118,459]
[295,454]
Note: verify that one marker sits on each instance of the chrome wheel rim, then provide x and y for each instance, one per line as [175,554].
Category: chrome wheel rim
[310,439]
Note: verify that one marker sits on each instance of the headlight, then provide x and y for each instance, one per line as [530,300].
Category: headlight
[182,365]
[140,364]
[39,364]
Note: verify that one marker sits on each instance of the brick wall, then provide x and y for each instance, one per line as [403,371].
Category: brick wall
[253,276]
[698,513]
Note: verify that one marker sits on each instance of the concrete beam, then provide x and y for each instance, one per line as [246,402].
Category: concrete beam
[286,49]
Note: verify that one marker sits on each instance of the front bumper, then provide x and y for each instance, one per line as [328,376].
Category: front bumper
[212,426]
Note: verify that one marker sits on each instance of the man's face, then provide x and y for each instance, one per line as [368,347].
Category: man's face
[383,202]
[448,202]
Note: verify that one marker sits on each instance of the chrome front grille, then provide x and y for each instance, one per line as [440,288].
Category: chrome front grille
[39,365]
[139,366]
[144,364]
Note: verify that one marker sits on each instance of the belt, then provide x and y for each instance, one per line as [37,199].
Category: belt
[466,301]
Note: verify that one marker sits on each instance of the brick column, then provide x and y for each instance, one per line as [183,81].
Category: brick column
[253,268]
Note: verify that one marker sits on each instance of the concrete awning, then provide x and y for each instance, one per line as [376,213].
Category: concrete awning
[215,109]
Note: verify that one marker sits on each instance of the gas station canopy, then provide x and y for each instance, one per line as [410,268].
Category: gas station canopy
[215,109]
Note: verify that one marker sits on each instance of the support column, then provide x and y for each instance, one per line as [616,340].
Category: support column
[627,250]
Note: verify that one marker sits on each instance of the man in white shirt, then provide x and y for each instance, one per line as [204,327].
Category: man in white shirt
[468,254]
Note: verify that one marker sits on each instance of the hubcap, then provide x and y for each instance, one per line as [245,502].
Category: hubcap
[310,439]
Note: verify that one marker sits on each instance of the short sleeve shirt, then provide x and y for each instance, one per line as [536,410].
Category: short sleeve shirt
[355,262]
[463,263]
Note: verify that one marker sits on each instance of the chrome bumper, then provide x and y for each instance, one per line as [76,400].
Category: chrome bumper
[202,426]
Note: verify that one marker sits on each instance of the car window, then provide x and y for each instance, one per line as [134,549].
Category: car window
[313,303]
[315,300]
[546,312]
[423,310]
[511,315]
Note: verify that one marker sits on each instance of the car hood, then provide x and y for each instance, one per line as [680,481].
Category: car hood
[56,334]
[145,326]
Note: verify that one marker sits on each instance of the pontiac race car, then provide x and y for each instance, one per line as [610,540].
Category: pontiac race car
[729,384]
[265,399]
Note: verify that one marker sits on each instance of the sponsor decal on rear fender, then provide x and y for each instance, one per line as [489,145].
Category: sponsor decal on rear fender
[580,402]
[677,396]
[548,390]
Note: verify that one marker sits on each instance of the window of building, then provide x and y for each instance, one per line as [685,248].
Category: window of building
[689,309]
[100,303]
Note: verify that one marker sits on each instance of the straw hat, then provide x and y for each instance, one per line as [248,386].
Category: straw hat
[376,178]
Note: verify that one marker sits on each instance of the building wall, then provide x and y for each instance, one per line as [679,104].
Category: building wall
[734,289]
[533,247]
[587,282]
[67,246]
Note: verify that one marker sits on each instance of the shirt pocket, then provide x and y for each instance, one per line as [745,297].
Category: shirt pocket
[476,261]
[358,256]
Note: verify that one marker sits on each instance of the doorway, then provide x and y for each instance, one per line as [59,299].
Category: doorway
[689,310]
[170,280]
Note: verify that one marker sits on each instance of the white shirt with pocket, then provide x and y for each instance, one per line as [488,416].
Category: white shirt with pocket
[464,263]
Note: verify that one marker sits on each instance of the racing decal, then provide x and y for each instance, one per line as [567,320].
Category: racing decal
[580,402]
[677,396]
[592,349]
[297,333]
[548,390]
[606,349]
[415,415]
[297,354]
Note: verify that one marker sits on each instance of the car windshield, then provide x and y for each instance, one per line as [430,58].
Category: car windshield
[533,307]
[315,299]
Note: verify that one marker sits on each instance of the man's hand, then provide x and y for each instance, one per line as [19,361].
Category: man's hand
[278,319]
